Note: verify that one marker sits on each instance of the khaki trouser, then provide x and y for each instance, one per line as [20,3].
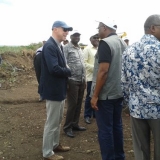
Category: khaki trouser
[141,132]
[52,126]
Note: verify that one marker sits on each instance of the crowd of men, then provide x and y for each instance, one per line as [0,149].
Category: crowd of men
[113,73]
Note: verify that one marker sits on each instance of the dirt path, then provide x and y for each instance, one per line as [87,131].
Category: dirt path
[22,120]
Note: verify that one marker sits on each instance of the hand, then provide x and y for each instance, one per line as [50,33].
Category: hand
[94,103]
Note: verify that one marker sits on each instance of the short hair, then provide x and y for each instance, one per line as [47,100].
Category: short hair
[152,20]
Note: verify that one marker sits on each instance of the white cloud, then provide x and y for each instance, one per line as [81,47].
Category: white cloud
[28,21]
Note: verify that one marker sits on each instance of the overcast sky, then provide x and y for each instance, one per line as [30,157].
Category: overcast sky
[30,21]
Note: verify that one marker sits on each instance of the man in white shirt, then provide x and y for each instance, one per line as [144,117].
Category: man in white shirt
[89,56]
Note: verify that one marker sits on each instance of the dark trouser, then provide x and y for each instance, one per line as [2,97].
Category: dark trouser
[74,101]
[37,66]
[88,111]
[141,133]
[110,132]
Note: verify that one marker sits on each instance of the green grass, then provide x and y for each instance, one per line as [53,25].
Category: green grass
[18,49]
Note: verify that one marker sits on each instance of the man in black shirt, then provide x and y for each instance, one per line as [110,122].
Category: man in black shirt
[106,91]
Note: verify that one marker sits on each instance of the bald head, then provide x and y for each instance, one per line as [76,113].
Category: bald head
[152,26]
[153,20]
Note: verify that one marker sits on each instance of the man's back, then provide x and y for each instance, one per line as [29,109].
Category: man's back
[141,64]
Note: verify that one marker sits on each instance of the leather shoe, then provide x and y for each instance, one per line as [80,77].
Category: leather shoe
[54,157]
[79,128]
[87,120]
[61,148]
[69,133]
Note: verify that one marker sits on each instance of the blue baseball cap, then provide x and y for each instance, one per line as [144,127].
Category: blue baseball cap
[62,24]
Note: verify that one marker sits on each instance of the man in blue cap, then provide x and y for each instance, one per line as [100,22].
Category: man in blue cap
[53,86]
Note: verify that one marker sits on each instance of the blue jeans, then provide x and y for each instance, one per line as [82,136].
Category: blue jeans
[110,132]
[88,110]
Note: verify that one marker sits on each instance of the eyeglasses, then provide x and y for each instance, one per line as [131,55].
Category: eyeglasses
[152,25]
[156,24]
[95,37]
[100,26]
[65,29]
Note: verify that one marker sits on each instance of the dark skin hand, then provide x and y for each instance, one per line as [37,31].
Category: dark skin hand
[101,79]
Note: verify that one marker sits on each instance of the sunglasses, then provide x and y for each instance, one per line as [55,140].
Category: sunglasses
[65,29]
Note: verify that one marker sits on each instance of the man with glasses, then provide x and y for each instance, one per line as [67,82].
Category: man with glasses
[106,91]
[89,56]
[141,87]
[76,84]
[53,86]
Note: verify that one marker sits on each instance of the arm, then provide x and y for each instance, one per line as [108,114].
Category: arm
[101,79]
[51,58]
[104,54]
[124,78]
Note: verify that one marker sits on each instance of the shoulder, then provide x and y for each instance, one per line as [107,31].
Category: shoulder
[103,44]
[39,49]
[87,48]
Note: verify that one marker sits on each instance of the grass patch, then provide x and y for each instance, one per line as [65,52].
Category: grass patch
[19,49]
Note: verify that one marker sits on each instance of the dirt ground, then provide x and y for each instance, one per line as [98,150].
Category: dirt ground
[22,118]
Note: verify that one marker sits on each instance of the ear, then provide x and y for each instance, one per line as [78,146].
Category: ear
[152,28]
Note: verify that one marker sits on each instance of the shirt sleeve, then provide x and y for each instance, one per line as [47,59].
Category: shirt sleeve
[124,78]
[104,52]
[65,50]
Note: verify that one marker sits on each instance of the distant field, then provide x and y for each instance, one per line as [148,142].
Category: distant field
[19,49]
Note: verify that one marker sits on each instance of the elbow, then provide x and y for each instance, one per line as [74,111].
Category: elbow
[104,74]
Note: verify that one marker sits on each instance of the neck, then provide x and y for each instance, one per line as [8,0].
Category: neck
[56,38]
[75,44]
[95,46]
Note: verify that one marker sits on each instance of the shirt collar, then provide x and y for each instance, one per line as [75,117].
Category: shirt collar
[94,47]
[71,45]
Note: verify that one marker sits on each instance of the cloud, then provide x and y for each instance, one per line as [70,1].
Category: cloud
[29,21]
[6,2]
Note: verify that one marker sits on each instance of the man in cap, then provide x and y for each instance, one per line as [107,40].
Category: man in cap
[141,88]
[53,86]
[106,91]
[89,56]
[76,84]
